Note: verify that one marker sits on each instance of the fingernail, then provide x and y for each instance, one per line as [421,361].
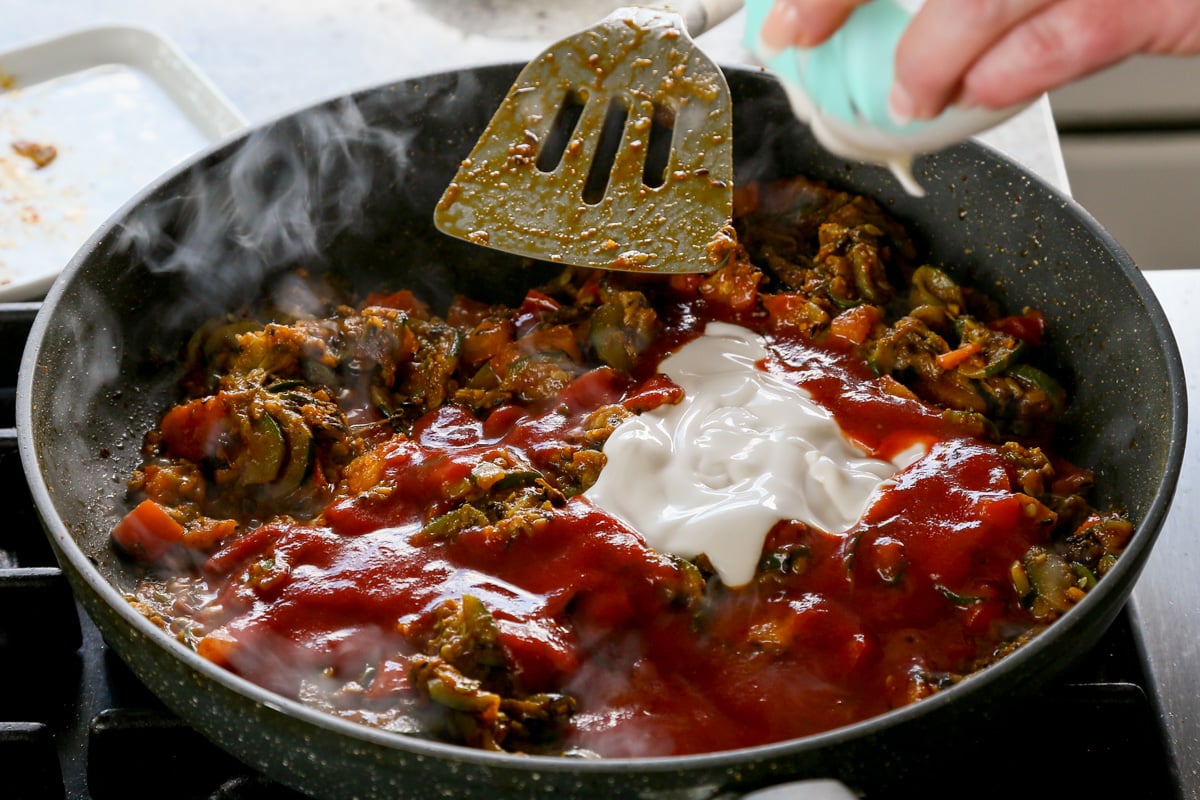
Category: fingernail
[783,27]
[900,105]
[766,52]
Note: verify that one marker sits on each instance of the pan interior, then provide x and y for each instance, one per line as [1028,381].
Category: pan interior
[350,187]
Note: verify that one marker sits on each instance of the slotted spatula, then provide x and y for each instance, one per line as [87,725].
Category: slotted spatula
[613,149]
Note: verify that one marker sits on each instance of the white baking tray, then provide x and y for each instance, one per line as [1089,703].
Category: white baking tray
[120,106]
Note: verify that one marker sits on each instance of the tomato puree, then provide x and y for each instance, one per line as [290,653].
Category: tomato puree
[835,627]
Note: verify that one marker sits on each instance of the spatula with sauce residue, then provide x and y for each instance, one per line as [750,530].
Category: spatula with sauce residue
[613,149]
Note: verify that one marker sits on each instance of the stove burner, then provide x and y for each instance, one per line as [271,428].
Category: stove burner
[75,724]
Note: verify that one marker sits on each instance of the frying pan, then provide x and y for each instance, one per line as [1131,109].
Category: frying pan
[349,185]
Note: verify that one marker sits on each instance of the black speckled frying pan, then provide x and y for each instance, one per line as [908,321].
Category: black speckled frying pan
[351,185]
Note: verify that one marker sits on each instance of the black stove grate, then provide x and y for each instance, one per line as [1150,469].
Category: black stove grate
[76,724]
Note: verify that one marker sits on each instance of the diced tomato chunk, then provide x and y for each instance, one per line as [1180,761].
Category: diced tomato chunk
[593,389]
[746,198]
[195,430]
[218,647]
[783,310]
[486,341]
[465,312]
[687,283]
[208,532]
[402,300]
[1030,327]
[502,419]
[658,390]
[539,303]
[734,286]
[855,324]
[987,607]
[147,532]
[533,310]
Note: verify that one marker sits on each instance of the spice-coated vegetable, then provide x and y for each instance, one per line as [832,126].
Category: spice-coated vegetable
[387,498]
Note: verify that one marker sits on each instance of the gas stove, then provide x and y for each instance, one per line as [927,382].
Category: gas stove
[75,724]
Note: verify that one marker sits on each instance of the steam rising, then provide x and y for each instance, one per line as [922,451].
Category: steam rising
[278,201]
[205,241]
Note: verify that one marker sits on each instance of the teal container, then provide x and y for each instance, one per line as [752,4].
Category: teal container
[848,76]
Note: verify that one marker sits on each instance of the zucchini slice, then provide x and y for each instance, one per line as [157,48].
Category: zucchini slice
[265,451]
[301,454]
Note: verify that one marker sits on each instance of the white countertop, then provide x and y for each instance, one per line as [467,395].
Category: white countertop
[1166,599]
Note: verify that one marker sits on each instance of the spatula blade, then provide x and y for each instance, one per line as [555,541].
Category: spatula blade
[542,185]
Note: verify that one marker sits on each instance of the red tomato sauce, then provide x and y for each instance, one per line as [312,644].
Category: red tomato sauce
[850,625]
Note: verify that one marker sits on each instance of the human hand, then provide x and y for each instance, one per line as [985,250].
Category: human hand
[997,53]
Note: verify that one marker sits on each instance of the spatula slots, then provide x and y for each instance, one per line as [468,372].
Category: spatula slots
[613,149]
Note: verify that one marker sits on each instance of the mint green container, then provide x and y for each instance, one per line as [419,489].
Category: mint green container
[841,87]
[848,76]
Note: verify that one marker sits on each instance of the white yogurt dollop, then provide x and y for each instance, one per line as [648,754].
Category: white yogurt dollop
[742,451]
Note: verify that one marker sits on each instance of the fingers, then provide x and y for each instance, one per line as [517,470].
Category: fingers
[996,53]
[1073,38]
[943,41]
[805,23]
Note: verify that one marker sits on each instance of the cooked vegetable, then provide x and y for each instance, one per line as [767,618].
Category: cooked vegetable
[265,451]
[147,532]
[621,328]
[386,497]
